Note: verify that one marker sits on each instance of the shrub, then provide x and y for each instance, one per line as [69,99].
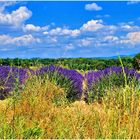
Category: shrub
[136,62]
[99,81]
[70,80]
[11,77]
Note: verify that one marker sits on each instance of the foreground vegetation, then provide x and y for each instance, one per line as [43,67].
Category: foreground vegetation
[42,110]
[55,102]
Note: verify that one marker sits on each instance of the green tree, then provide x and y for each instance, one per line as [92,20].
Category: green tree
[136,62]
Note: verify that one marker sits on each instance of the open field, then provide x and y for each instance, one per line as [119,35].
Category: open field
[55,102]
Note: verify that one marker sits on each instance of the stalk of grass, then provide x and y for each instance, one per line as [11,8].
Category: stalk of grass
[125,77]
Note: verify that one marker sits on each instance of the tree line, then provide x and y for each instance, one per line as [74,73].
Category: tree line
[74,63]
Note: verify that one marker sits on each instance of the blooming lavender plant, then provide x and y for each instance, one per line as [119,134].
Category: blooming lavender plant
[98,81]
[9,76]
[70,80]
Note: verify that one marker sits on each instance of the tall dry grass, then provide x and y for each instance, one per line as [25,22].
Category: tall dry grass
[41,110]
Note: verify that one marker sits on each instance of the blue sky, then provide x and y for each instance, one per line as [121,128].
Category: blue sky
[69,29]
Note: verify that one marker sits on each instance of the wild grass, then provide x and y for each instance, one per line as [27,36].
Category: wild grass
[41,110]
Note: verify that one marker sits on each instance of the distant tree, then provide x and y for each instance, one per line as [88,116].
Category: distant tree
[100,65]
[136,62]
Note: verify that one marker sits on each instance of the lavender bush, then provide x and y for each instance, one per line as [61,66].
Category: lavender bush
[99,81]
[9,76]
[70,80]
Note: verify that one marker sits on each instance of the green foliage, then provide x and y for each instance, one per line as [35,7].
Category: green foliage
[61,81]
[72,63]
[136,62]
[34,132]
[107,83]
[99,88]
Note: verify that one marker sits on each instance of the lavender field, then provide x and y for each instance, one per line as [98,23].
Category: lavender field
[74,83]
[56,102]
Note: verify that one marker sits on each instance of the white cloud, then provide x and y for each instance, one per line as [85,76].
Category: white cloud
[15,18]
[89,34]
[51,40]
[46,33]
[134,37]
[75,32]
[93,33]
[31,27]
[128,27]
[62,32]
[85,42]
[18,41]
[103,16]
[4,4]
[92,7]
[111,38]
[131,39]
[69,47]
[92,25]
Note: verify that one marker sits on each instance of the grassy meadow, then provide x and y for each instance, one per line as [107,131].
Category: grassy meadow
[59,103]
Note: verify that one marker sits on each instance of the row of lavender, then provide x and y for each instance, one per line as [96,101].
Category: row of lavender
[101,80]
[10,77]
[96,76]
[71,80]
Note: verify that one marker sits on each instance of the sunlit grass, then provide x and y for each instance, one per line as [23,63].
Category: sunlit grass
[41,110]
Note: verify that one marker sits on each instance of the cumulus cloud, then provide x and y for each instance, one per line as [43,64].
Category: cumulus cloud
[98,25]
[18,41]
[134,37]
[93,7]
[62,32]
[31,27]
[128,27]
[90,34]
[15,18]
[92,25]
[131,39]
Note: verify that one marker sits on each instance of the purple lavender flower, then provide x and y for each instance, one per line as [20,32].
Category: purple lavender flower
[9,76]
[71,80]
[95,78]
